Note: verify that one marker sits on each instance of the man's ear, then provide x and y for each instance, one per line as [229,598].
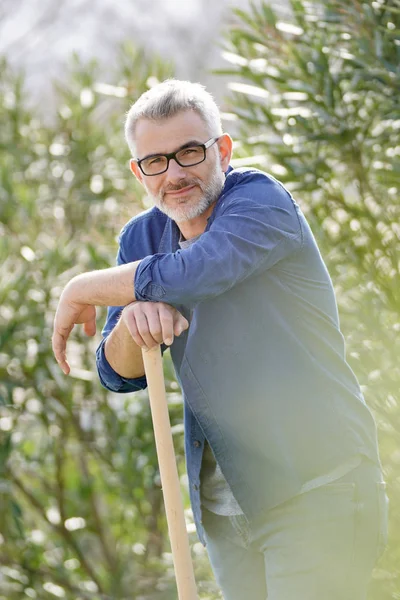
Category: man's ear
[136,170]
[225,150]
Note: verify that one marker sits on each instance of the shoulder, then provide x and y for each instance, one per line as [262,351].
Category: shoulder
[258,197]
[141,235]
[255,189]
[255,184]
[152,217]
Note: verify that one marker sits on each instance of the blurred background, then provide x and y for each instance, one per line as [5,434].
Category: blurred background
[310,92]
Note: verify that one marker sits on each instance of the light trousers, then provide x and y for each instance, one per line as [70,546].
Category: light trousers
[319,545]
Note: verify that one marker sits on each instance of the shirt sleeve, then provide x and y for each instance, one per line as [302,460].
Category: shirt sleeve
[247,237]
[111,380]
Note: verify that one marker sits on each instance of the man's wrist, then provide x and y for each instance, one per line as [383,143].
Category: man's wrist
[78,289]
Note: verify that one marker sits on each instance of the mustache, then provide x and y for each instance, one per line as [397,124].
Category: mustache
[182,184]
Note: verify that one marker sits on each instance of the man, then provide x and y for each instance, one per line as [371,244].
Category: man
[285,479]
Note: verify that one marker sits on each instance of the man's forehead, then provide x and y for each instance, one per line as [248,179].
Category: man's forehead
[167,135]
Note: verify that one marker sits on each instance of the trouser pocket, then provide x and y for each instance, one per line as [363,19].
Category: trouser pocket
[241,527]
[383,503]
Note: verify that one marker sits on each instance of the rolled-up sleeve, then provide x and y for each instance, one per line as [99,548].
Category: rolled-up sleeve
[246,237]
[111,380]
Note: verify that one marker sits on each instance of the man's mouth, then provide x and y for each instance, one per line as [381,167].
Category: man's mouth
[181,191]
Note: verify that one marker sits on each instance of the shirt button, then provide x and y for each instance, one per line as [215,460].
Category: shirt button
[196,444]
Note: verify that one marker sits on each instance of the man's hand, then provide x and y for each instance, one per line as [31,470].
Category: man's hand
[70,313]
[153,323]
[106,287]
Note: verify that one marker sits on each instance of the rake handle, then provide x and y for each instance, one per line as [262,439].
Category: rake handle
[183,565]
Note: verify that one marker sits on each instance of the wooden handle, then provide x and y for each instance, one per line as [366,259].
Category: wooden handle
[184,574]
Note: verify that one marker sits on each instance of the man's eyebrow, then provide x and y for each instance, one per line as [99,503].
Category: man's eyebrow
[186,145]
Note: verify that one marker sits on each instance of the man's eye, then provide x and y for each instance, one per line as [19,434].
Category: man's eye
[155,160]
[188,151]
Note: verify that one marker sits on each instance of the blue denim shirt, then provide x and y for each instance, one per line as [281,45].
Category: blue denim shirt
[262,367]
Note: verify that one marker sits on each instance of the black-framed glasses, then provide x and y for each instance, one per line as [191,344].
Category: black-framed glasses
[188,156]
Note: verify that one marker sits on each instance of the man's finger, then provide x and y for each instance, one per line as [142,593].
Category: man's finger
[146,331]
[59,344]
[153,323]
[181,324]
[90,327]
[131,324]
[166,325]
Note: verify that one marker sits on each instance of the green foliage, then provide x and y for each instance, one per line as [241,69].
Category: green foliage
[81,504]
[81,512]
[318,105]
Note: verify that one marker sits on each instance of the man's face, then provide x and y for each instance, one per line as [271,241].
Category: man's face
[183,193]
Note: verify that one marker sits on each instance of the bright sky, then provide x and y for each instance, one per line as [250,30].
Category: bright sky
[40,35]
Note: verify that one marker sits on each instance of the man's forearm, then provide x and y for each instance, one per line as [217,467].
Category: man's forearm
[122,352]
[106,287]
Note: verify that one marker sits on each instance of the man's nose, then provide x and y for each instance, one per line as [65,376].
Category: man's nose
[175,172]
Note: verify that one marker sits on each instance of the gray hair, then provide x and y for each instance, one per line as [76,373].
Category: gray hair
[167,99]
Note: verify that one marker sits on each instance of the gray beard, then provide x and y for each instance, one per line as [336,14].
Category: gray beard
[211,192]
